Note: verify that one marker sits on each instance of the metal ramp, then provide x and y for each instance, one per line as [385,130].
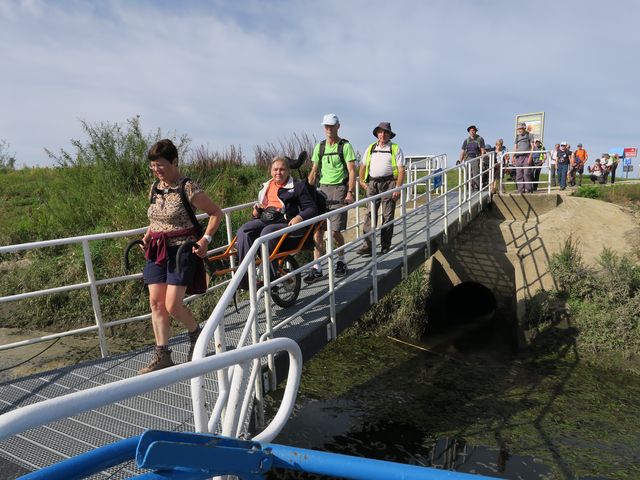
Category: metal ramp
[170,408]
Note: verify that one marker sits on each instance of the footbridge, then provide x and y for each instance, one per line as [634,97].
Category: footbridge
[244,351]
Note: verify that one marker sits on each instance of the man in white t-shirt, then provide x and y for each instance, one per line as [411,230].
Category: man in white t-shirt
[382,169]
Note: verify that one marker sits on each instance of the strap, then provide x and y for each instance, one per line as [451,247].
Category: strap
[185,202]
[187,207]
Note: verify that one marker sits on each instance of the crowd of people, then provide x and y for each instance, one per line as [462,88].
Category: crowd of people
[566,167]
[282,201]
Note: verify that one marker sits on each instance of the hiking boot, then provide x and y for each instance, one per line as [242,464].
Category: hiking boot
[193,338]
[341,268]
[364,250]
[161,359]
[313,276]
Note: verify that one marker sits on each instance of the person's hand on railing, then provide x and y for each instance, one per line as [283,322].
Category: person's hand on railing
[296,219]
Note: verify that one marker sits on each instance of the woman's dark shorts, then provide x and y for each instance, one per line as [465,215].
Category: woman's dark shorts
[166,273]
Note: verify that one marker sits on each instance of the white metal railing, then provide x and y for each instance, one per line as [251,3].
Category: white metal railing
[214,326]
[24,418]
[525,168]
[239,383]
[92,283]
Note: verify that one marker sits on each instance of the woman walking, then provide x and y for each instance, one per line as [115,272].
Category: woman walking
[170,226]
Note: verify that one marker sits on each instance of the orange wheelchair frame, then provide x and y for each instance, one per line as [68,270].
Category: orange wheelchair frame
[286,293]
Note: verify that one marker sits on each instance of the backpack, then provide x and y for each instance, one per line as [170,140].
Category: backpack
[472,153]
[321,154]
[155,191]
[318,198]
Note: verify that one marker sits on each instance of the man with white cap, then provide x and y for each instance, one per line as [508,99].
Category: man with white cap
[333,161]
[564,158]
[382,169]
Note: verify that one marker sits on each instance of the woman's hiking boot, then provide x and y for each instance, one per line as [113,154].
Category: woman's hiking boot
[161,359]
[193,338]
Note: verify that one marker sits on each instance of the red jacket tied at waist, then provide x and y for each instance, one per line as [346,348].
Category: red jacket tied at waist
[157,249]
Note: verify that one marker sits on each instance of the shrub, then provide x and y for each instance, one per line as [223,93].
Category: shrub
[587,191]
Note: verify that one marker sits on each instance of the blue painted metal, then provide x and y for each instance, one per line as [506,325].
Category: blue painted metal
[195,456]
[437,180]
[87,464]
[357,468]
[213,454]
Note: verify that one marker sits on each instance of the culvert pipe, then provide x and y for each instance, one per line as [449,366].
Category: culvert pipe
[469,302]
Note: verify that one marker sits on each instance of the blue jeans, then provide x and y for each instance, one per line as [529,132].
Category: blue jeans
[563,168]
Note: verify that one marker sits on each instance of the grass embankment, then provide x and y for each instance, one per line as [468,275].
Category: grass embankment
[103,187]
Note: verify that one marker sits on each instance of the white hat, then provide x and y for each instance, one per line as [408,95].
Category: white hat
[330,119]
[563,144]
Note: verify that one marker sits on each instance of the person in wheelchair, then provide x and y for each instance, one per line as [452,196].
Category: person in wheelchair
[282,201]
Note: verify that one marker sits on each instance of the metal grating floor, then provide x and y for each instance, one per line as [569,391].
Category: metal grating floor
[170,408]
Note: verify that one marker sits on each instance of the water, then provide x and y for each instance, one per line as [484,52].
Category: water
[470,405]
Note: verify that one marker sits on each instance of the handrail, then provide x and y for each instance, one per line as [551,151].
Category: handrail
[214,325]
[21,419]
[512,166]
[91,282]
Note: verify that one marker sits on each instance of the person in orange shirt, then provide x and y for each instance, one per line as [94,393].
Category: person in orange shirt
[578,161]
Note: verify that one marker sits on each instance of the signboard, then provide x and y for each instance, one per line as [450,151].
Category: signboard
[631,152]
[627,168]
[627,161]
[534,123]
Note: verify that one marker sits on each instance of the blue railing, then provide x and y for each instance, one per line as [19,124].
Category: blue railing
[191,456]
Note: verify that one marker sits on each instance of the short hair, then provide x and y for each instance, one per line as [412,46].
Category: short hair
[163,149]
[281,159]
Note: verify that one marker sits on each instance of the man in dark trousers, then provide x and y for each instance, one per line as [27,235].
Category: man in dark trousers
[381,170]
[472,147]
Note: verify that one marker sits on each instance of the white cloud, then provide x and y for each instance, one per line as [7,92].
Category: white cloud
[249,72]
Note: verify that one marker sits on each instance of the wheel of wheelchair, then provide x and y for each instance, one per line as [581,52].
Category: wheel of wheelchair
[127,250]
[287,292]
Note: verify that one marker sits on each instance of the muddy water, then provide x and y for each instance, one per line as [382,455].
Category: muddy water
[472,406]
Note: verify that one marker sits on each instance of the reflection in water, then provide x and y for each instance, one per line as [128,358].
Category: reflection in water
[342,426]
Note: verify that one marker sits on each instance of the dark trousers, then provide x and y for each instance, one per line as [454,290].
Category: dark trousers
[563,168]
[388,210]
[248,233]
[524,176]
[613,172]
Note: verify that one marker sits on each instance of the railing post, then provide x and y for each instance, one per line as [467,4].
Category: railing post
[445,182]
[227,222]
[428,219]
[332,281]
[374,249]
[403,210]
[95,300]
[266,275]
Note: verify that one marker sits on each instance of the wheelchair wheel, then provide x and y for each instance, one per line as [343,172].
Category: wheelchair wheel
[287,292]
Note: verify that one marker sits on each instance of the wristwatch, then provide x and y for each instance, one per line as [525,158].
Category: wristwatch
[351,192]
[208,238]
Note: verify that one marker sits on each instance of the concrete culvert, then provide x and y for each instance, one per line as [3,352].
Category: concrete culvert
[469,302]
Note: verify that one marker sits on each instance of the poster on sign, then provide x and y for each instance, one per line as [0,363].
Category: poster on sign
[534,123]
[630,152]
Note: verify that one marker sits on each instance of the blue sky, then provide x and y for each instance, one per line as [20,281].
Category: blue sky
[251,72]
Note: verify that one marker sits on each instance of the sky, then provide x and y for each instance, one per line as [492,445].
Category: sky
[249,72]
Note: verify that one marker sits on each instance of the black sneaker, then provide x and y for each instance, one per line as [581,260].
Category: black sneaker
[384,250]
[341,268]
[313,276]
